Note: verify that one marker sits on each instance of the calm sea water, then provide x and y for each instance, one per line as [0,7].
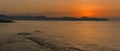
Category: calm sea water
[86,33]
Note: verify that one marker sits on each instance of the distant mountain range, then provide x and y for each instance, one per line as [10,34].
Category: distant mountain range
[52,18]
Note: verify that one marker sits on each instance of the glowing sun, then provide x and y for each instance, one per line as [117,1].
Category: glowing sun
[85,0]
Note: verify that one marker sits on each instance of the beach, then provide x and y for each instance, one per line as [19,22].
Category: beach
[31,42]
[59,36]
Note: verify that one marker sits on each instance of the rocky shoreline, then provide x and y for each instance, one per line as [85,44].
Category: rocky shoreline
[28,42]
[31,42]
[3,20]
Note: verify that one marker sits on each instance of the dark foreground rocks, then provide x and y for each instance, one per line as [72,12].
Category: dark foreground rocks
[38,42]
[29,42]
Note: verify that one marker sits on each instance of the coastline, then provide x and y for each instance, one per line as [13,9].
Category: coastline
[32,42]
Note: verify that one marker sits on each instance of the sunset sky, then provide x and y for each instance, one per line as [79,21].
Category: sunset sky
[92,8]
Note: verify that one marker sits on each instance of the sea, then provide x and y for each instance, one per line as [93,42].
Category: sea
[87,34]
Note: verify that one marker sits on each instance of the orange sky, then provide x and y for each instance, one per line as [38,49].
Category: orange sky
[95,8]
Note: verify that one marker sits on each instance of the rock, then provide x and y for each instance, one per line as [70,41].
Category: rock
[24,33]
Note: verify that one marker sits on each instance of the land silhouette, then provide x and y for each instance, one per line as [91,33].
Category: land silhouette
[85,18]
[3,19]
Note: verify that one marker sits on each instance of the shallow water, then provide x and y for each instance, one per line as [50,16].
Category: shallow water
[88,34]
